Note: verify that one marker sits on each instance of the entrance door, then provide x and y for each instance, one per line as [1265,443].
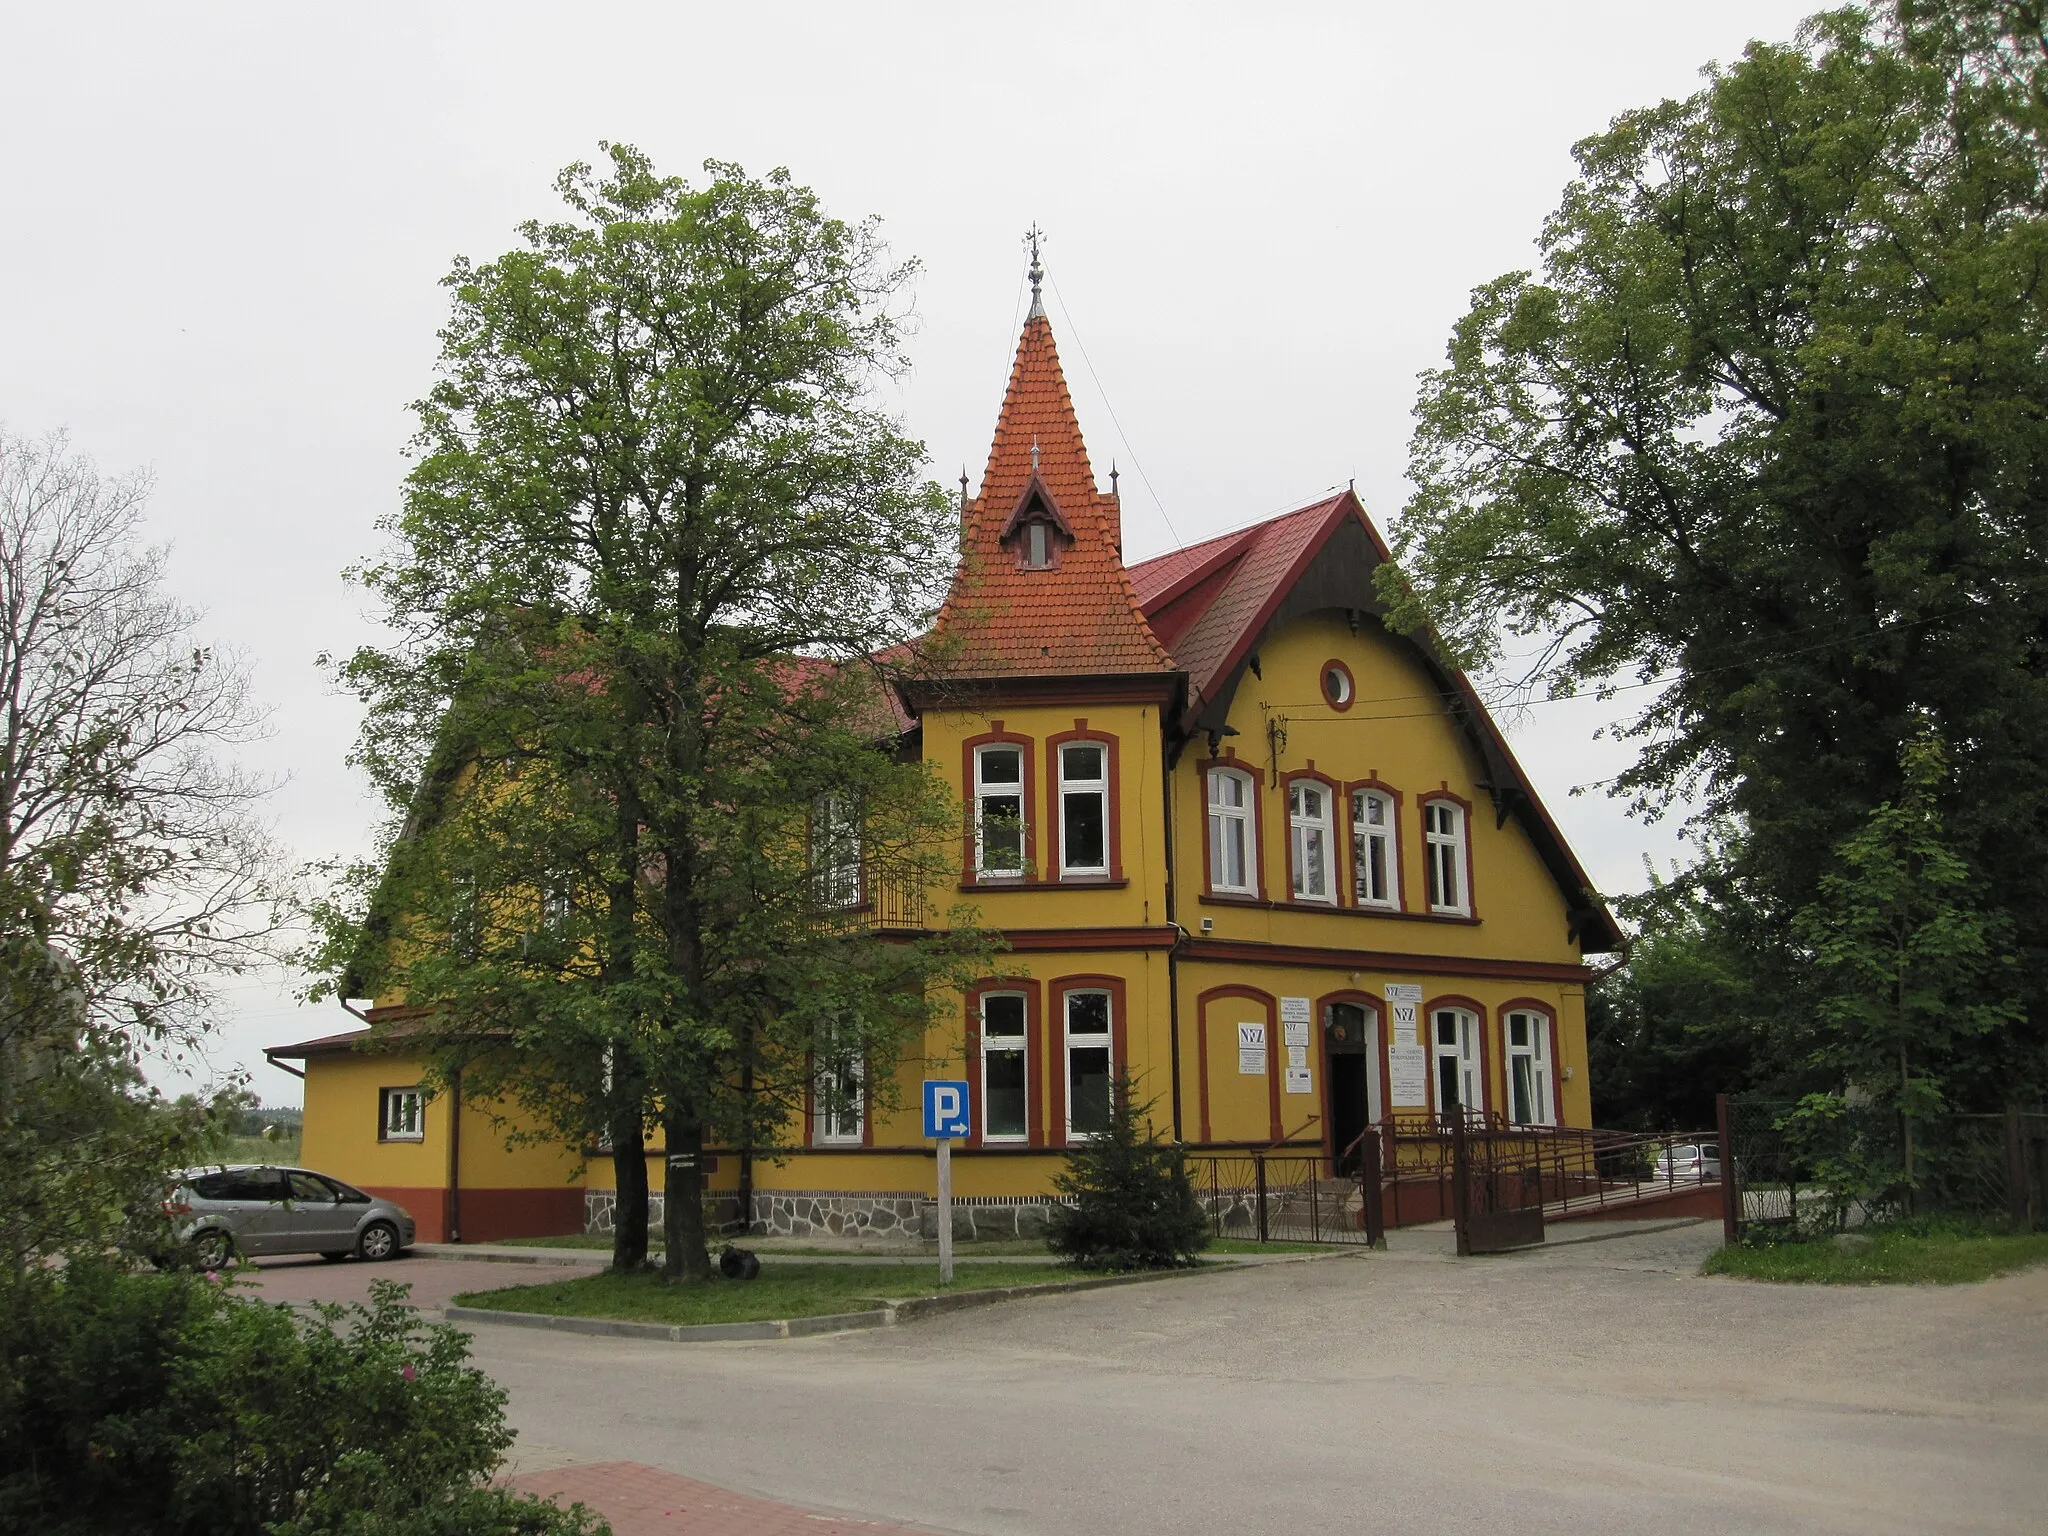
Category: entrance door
[1349,1048]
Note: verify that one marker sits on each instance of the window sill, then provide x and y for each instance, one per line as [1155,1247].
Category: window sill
[400,1141]
[1210,899]
[1070,883]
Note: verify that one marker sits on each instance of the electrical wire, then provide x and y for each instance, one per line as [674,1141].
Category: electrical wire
[1122,436]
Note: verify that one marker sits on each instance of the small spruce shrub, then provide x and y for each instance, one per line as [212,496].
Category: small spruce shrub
[168,1403]
[1126,1201]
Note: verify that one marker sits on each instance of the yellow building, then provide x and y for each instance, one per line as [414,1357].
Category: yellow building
[1241,840]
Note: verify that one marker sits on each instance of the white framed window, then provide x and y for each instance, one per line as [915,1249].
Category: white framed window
[835,850]
[999,812]
[401,1115]
[1530,1099]
[837,1092]
[1308,830]
[1084,808]
[1005,1068]
[1233,833]
[1454,1036]
[1375,875]
[1090,1063]
[1443,839]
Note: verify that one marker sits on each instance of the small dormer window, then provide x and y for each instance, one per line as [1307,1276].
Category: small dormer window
[1037,547]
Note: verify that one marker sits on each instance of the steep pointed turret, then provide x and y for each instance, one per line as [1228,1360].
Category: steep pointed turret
[1041,589]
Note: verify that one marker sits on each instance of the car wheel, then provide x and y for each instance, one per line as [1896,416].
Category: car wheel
[335,1256]
[379,1241]
[213,1249]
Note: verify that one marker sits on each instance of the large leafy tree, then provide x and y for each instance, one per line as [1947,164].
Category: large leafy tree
[1765,439]
[658,538]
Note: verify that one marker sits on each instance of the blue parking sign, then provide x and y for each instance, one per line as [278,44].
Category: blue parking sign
[945,1109]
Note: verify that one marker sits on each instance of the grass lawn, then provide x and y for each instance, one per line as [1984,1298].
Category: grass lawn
[1896,1258]
[796,1290]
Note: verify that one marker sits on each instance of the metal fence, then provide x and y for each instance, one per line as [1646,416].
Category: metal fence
[1800,1174]
[1273,1197]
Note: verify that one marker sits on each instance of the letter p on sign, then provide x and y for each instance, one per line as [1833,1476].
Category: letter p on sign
[945,1109]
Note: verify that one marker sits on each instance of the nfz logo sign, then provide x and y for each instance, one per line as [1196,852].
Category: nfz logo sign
[945,1109]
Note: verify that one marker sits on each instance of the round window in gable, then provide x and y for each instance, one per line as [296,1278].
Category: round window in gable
[1338,689]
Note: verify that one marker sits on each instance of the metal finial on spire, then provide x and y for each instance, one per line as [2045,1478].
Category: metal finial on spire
[1112,477]
[963,488]
[1034,453]
[1037,273]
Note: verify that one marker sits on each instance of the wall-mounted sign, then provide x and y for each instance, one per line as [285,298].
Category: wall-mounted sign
[1298,1080]
[1294,1032]
[1297,1055]
[1251,1050]
[1294,1010]
[1407,1075]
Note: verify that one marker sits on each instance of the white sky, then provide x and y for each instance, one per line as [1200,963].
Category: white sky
[225,225]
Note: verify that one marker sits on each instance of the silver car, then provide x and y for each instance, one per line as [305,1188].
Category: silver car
[253,1210]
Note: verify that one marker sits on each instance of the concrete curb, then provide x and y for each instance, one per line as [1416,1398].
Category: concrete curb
[572,1258]
[887,1315]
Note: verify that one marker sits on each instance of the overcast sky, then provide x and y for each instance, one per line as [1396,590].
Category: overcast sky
[225,227]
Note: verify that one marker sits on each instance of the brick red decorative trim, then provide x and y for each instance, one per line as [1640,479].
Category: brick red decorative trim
[1336,664]
[1422,805]
[1229,759]
[1056,992]
[1479,1017]
[1398,874]
[1378,1047]
[1265,1001]
[1089,938]
[1034,1088]
[1028,792]
[1334,858]
[1056,805]
[1549,1012]
[1110,688]
[1252,952]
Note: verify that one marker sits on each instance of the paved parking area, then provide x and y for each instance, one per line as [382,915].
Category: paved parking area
[308,1277]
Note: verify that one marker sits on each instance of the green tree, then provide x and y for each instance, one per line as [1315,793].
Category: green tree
[1126,1201]
[1764,439]
[655,550]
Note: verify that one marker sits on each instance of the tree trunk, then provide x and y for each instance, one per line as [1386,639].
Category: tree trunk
[629,1174]
[682,1216]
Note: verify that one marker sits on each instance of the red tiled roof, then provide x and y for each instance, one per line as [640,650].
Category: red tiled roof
[1078,618]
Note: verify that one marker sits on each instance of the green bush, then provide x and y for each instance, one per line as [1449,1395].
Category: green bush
[1126,1201]
[170,1403]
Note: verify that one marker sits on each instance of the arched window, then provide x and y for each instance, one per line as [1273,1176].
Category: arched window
[1454,1037]
[1375,875]
[1233,833]
[1531,1099]
[1308,827]
[1443,846]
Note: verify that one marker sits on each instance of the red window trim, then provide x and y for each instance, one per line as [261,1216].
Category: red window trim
[1374,782]
[1377,1009]
[1056,1043]
[1549,1012]
[1034,1090]
[1335,858]
[1336,664]
[1203,767]
[996,736]
[1481,1014]
[1112,768]
[1272,1007]
[1422,805]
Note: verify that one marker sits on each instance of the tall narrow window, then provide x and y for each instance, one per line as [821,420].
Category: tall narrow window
[837,1090]
[1458,1090]
[1443,837]
[1037,546]
[1088,1063]
[1084,808]
[1375,878]
[999,811]
[1308,825]
[1005,1068]
[1233,836]
[835,850]
[1529,1095]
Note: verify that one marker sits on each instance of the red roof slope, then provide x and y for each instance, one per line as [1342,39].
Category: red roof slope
[1079,618]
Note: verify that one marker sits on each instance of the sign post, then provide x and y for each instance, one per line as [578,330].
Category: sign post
[945,1116]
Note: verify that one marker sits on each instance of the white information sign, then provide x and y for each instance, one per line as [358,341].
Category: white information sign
[1298,1080]
[1404,991]
[1404,1023]
[1251,1050]
[1297,1056]
[1294,1010]
[1294,1032]
[1407,1075]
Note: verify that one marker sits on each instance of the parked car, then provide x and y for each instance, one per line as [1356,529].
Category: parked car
[1696,1162]
[251,1209]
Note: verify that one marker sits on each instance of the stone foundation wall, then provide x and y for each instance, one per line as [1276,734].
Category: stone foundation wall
[837,1213]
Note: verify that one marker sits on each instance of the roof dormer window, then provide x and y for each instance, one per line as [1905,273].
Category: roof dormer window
[1037,547]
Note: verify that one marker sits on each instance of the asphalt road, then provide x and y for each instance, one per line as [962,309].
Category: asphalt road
[1599,1388]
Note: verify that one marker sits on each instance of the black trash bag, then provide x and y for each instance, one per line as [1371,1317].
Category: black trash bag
[738,1264]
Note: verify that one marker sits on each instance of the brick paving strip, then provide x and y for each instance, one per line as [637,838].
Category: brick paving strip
[640,1500]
